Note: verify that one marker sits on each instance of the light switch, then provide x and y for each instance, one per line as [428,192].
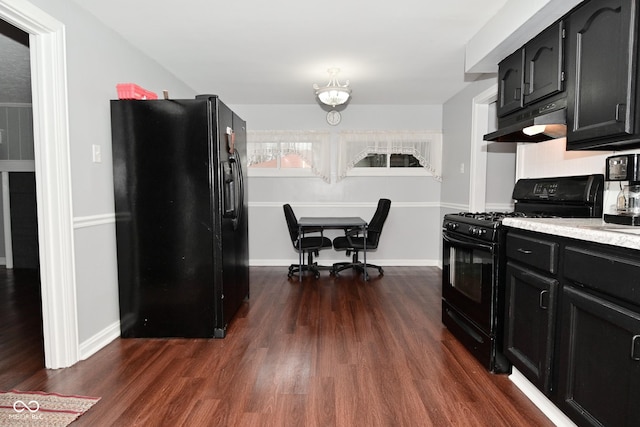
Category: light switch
[97,153]
[461,167]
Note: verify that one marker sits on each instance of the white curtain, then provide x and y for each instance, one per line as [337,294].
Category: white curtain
[425,146]
[312,146]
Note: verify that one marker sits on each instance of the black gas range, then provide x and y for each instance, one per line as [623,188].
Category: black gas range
[473,262]
[482,225]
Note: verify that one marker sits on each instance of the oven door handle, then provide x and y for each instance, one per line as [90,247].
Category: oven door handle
[467,244]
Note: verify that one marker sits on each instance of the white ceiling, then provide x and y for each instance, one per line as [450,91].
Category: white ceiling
[271,52]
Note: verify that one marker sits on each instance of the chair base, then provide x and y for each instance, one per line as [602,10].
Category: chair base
[359,266]
[296,268]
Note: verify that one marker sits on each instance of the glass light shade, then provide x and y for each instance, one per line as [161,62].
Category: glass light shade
[333,95]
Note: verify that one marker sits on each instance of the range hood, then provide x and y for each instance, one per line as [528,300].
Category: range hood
[549,120]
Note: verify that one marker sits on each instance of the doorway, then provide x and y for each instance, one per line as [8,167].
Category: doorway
[21,314]
[53,178]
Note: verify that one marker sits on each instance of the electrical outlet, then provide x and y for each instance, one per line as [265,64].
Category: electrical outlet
[461,167]
[97,153]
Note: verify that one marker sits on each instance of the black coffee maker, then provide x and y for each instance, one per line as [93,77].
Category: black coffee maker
[625,167]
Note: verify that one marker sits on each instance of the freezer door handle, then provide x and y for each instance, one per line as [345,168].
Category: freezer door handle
[229,190]
[240,180]
[233,188]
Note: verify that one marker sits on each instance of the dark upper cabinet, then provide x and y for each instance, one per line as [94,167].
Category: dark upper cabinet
[510,81]
[543,64]
[533,72]
[601,75]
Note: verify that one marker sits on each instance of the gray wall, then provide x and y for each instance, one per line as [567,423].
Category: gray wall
[457,146]
[414,220]
[456,125]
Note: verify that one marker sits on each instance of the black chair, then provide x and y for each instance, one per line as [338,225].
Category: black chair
[309,245]
[353,241]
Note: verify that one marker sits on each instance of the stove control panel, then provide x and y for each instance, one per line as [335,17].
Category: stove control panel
[545,189]
[477,231]
[485,233]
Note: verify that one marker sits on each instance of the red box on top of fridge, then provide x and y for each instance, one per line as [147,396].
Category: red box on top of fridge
[133,91]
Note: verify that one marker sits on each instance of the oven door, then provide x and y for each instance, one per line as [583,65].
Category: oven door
[468,273]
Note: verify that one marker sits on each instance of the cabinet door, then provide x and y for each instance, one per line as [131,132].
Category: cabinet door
[543,72]
[529,323]
[601,62]
[599,372]
[510,84]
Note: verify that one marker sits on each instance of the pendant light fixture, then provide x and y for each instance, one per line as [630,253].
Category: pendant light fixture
[333,93]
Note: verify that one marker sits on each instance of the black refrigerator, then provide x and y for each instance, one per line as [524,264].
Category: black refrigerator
[181,216]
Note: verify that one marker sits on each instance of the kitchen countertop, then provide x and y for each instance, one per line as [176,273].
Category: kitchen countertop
[589,229]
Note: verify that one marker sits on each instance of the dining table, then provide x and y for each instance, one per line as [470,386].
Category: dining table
[315,223]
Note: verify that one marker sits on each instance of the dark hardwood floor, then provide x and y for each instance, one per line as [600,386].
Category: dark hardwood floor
[21,345]
[327,352]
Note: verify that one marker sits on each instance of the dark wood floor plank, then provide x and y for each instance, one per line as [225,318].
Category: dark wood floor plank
[327,352]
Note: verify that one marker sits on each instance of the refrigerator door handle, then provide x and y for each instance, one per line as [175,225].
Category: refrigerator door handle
[240,179]
[229,190]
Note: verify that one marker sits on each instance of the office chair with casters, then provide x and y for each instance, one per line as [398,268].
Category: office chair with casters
[309,245]
[353,241]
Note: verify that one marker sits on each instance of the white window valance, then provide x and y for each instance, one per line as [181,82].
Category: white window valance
[425,146]
[312,146]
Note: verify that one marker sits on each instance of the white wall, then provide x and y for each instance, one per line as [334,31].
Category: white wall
[411,233]
[550,158]
[97,59]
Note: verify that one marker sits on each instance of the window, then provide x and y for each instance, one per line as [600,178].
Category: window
[377,152]
[388,161]
[281,153]
[288,153]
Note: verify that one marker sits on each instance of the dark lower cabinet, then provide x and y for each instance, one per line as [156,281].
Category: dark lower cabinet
[599,361]
[530,323]
[572,324]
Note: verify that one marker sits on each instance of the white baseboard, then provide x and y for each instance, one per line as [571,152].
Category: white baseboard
[100,340]
[547,407]
[380,262]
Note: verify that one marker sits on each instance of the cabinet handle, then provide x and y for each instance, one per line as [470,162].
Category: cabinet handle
[542,303]
[635,348]
[525,251]
[621,110]
[516,93]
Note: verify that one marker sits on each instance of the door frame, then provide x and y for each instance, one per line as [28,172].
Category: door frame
[47,45]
